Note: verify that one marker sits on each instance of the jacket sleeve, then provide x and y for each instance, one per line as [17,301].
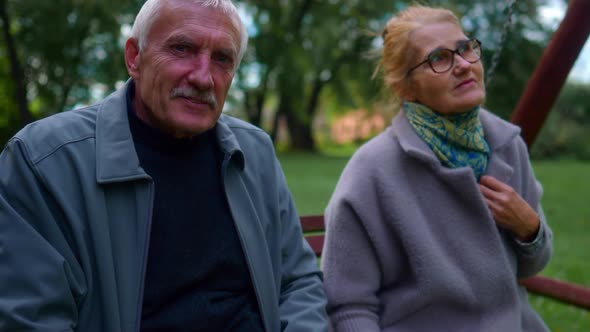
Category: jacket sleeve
[535,255]
[532,257]
[38,291]
[351,269]
[302,302]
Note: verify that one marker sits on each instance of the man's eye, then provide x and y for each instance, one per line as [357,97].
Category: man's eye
[223,58]
[180,48]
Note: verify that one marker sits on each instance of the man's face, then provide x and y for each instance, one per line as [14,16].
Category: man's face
[184,73]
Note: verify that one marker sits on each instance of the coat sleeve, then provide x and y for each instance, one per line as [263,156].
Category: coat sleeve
[532,257]
[351,269]
[302,303]
[38,291]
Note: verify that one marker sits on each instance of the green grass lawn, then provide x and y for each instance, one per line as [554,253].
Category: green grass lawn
[566,203]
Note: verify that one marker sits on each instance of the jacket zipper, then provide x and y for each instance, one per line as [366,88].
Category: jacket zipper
[145,257]
[224,165]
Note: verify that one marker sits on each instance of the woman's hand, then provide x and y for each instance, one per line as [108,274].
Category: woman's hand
[510,211]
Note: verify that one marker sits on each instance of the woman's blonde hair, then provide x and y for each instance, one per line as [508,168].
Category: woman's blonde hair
[399,53]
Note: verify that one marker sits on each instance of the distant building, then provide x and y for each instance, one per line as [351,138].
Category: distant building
[356,126]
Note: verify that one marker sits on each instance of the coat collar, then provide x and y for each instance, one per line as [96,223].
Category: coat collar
[228,142]
[498,134]
[116,158]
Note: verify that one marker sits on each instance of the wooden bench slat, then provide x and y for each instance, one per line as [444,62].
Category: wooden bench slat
[316,242]
[556,289]
[312,223]
[559,290]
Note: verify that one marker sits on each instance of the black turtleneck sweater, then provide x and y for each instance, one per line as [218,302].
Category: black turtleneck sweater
[196,278]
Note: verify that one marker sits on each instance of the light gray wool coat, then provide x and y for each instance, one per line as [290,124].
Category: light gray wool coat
[412,246]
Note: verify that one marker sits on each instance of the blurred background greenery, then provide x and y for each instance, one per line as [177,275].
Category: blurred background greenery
[306,69]
[306,79]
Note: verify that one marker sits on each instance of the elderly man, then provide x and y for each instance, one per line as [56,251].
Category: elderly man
[151,211]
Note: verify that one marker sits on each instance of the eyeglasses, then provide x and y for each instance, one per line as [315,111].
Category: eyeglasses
[443,59]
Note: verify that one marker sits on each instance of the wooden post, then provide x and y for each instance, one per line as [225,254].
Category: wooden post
[552,71]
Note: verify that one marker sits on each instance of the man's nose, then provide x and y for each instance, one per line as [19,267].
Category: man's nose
[201,76]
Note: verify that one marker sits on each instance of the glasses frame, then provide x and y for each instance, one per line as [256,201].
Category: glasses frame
[453,52]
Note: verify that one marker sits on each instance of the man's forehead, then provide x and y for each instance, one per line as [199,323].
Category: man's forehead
[193,22]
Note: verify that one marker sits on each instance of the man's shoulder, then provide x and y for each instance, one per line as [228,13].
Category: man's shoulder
[381,146]
[244,131]
[236,124]
[53,132]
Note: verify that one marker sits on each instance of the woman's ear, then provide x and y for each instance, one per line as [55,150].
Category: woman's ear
[404,90]
[132,57]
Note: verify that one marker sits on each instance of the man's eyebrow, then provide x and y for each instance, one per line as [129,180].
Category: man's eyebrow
[182,39]
[228,50]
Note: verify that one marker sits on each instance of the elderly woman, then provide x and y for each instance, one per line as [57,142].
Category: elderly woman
[434,221]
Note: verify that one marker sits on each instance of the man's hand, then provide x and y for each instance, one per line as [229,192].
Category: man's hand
[510,211]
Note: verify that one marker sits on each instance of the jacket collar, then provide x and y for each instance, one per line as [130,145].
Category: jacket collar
[498,133]
[228,142]
[116,158]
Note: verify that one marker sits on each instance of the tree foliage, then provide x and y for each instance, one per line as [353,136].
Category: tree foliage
[298,48]
[303,48]
[565,132]
[64,47]
[304,55]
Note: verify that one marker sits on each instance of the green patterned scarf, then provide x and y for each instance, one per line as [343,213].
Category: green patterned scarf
[457,140]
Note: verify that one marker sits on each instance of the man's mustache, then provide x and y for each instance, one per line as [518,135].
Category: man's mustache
[199,96]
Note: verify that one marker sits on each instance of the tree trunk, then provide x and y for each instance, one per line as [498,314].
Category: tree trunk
[274,131]
[314,98]
[16,71]
[298,124]
[301,125]
[300,133]
[254,114]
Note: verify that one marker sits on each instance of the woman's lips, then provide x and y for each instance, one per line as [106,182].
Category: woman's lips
[465,83]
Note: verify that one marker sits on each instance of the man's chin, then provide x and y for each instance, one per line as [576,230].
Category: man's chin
[185,128]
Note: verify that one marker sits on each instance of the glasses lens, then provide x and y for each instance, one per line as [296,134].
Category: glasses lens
[470,50]
[441,60]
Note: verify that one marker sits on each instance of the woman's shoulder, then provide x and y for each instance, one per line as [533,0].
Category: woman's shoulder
[381,147]
[498,132]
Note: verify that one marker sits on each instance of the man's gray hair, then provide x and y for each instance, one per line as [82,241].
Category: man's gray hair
[149,12]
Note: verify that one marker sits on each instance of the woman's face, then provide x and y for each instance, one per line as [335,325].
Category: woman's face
[457,90]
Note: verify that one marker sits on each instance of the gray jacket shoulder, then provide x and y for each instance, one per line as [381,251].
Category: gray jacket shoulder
[242,126]
[45,136]
[246,133]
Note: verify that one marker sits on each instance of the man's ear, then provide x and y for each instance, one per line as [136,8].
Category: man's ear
[132,57]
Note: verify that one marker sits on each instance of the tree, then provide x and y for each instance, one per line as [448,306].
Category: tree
[301,48]
[566,129]
[303,55]
[57,50]
[16,69]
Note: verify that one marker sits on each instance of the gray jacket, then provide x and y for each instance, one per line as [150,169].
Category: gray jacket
[412,246]
[75,213]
